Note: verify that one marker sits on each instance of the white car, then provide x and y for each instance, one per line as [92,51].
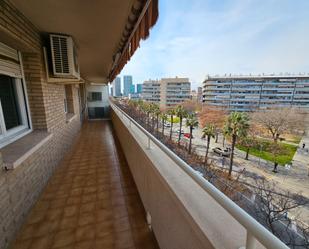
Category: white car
[225,152]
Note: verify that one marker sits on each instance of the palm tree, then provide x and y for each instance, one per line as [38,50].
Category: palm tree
[209,131]
[181,113]
[148,110]
[171,112]
[191,122]
[157,112]
[236,125]
[163,117]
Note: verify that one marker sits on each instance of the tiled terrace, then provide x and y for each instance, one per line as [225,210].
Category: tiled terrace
[90,202]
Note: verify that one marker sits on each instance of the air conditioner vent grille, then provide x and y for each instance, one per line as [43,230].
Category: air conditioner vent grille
[60,51]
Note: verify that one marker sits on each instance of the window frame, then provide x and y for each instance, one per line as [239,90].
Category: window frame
[13,134]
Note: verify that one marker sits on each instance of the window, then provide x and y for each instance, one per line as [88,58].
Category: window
[95,96]
[13,111]
[68,100]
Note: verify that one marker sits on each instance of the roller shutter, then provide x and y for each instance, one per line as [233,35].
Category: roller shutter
[9,61]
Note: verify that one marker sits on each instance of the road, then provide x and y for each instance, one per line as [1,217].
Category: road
[295,179]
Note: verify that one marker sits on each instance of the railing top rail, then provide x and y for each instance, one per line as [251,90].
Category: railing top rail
[264,236]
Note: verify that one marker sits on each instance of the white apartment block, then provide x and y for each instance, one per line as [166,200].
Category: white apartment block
[250,92]
[167,92]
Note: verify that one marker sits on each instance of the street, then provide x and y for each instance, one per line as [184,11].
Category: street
[295,179]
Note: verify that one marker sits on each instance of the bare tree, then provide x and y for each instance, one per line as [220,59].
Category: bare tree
[278,121]
[191,106]
[271,208]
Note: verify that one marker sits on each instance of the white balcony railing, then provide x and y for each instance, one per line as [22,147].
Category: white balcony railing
[255,231]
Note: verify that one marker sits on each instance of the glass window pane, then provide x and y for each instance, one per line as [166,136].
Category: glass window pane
[10,107]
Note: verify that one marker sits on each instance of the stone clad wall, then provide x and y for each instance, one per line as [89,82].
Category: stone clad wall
[20,187]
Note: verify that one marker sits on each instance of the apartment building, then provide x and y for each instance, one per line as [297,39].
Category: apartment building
[247,93]
[167,92]
[151,91]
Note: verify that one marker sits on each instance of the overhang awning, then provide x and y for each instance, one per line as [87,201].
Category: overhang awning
[100,29]
[147,19]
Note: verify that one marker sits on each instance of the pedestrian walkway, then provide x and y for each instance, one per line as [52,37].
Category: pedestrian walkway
[90,202]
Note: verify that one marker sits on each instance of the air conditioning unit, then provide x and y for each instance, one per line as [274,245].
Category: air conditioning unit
[64,57]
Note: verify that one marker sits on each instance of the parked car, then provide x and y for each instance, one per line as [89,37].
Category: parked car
[167,125]
[187,135]
[222,152]
[182,132]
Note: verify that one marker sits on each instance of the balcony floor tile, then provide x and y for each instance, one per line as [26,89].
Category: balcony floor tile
[90,202]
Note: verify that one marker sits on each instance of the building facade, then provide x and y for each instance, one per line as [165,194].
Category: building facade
[127,84]
[151,91]
[132,89]
[248,93]
[139,88]
[117,87]
[167,92]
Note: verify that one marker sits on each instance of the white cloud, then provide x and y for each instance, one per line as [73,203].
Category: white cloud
[194,38]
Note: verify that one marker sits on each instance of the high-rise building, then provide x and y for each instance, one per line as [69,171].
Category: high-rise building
[112,91]
[247,93]
[127,83]
[132,88]
[117,86]
[167,92]
[139,88]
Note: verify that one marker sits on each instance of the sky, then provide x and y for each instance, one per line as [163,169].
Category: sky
[200,37]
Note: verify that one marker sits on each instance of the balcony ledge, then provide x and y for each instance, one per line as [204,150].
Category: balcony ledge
[14,154]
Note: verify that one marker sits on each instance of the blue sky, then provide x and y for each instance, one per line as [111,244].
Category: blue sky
[199,37]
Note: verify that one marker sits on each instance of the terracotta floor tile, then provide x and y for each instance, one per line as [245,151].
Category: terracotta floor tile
[91,201]
[54,214]
[87,207]
[64,238]
[104,229]
[106,242]
[45,228]
[70,211]
[124,239]
[68,223]
[41,242]
[86,219]
[121,224]
[85,245]
[27,232]
[22,244]
[84,233]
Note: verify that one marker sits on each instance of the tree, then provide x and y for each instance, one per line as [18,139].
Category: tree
[191,122]
[276,150]
[181,113]
[246,142]
[209,132]
[163,117]
[191,106]
[250,140]
[236,126]
[214,115]
[157,112]
[171,112]
[271,209]
[278,121]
